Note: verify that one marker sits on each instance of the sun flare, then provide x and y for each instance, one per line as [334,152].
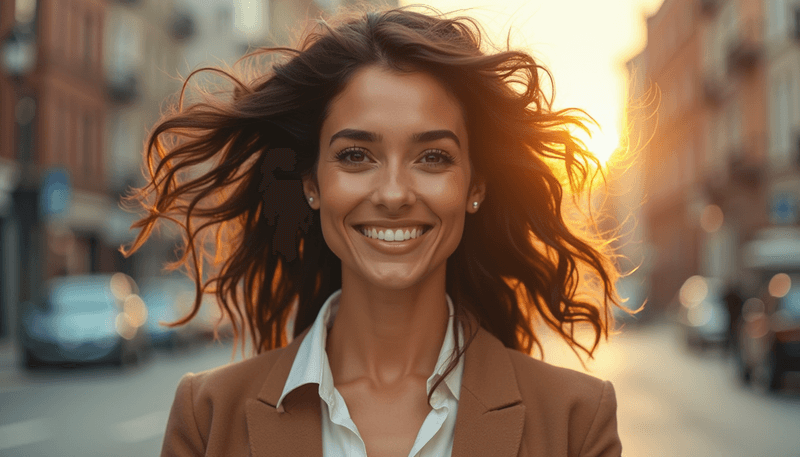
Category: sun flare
[603,143]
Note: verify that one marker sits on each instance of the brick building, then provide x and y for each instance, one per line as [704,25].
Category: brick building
[707,167]
[52,121]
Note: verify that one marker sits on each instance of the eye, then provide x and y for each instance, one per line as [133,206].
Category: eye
[352,156]
[437,158]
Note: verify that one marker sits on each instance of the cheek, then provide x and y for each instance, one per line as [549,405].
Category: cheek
[340,193]
[447,193]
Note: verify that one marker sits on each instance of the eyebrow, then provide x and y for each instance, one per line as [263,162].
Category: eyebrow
[434,135]
[358,135]
[422,137]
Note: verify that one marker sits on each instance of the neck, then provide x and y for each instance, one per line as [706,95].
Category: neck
[387,337]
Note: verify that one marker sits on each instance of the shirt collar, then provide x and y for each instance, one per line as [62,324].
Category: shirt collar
[311,363]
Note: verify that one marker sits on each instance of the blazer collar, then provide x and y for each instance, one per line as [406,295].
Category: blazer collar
[489,420]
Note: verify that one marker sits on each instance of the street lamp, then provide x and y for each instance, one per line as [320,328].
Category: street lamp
[18,59]
[19,52]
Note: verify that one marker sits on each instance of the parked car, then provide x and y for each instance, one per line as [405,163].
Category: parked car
[769,335]
[170,298]
[703,313]
[87,318]
[167,300]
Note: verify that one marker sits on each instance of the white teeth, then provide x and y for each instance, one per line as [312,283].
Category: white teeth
[392,235]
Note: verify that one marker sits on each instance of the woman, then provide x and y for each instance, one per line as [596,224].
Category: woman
[387,194]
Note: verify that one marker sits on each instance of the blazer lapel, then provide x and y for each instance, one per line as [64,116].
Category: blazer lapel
[295,429]
[490,410]
[489,420]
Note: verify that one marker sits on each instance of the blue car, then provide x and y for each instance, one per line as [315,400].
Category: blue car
[168,299]
[87,318]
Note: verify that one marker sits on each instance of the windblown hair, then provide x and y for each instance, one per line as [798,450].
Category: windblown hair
[520,261]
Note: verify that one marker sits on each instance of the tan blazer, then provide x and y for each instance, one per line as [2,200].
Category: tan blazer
[510,405]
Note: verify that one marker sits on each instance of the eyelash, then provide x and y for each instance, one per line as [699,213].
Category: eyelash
[342,155]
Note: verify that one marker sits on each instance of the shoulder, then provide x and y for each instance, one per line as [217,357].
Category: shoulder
[567,411]
[208,412]
[239,380]
[537,377]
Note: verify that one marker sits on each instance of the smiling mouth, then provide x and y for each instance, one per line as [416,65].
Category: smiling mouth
[393,235]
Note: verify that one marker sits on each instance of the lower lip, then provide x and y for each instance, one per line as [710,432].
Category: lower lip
[393,247]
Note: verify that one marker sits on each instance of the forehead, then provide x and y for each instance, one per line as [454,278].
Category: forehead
[381,99]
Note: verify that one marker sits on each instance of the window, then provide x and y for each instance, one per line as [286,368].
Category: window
[88,40]
[26,123]
[783,119]
[88,145]
[80,143]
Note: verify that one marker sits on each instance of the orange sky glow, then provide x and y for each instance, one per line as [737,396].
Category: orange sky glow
[584,43]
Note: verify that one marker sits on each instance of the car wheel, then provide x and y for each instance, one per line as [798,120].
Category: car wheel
[775,368]
[117,356]
[745,372]
[29,360]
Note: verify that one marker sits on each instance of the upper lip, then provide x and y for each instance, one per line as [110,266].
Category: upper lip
[393,224]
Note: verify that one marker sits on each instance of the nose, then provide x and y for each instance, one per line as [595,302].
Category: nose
[394,187]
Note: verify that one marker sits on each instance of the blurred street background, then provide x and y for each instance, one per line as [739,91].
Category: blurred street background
[699,103]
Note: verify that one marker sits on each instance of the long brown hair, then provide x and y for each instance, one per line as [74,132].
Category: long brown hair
[520,260]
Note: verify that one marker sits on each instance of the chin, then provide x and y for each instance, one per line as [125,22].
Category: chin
[394,282]
[394,278]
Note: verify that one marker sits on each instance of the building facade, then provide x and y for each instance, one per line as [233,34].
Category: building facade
[722,168]
[52,118]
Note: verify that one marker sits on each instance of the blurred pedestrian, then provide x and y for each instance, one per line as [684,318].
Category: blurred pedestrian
[391,184]
[733,302]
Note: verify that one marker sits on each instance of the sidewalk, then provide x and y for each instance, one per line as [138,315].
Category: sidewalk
[12,375]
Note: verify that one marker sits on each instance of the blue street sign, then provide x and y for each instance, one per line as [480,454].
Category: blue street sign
[56,192]
[784,209]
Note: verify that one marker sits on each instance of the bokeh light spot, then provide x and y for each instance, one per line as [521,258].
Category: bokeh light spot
[712,218]
[779,285]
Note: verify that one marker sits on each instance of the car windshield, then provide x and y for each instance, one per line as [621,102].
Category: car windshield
[791,302]
[85,297]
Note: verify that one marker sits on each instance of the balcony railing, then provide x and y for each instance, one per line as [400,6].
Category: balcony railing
[744,50]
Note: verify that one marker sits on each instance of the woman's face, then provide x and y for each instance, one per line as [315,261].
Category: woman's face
[393,161]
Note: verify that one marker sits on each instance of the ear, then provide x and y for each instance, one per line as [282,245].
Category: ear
[476,194]
[311,190]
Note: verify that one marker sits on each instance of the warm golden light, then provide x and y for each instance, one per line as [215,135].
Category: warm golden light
[124,327]
[712,218]
[121,285]
[603,144]
[779,285]
[136,310]
[752,309]
[693,291]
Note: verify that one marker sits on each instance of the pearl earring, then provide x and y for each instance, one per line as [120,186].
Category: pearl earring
[311,199]
[475,205]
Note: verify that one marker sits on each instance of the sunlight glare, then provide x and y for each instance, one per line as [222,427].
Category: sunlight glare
[603,143]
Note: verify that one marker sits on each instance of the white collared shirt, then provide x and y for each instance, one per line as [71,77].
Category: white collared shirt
[340,437]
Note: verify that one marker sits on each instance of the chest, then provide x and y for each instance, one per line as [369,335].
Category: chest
[387,420]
